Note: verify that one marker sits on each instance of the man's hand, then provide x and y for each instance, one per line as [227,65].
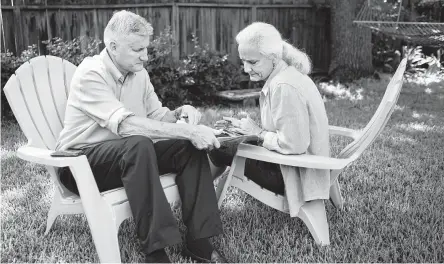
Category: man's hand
[190,113]
[203,137]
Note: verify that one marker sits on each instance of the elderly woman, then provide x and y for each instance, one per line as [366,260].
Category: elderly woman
[294,120]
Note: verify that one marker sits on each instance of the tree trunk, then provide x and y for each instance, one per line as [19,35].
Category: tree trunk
[351,45]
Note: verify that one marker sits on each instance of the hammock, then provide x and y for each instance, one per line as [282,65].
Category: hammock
[420,33]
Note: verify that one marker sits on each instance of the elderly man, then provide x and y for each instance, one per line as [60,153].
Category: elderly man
[115,118]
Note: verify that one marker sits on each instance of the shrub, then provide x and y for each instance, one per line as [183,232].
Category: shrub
[10,63]
[192,80]
[160,51]
[70,50]
[205,72]
[74,50]
[419,63]
[385,53]
[163,72]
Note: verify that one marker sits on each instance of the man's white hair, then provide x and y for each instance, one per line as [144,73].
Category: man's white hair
[266,39]
[124,23]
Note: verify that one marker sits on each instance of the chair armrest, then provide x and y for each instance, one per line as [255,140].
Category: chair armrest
[79,167]
[303,160]
[342,131]
[43,156]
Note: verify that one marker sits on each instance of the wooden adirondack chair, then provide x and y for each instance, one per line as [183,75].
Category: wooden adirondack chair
[313,213]
[37,94]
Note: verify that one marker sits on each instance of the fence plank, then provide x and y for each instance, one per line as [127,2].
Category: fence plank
[175,31]
[8,31]
[254,13]
[18,29]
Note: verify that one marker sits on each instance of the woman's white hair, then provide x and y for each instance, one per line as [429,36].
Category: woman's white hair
[123,23]
[267,40]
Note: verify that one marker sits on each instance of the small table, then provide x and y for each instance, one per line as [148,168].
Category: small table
[248,97]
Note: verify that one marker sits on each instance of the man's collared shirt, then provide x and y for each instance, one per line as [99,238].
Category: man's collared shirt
[100,98]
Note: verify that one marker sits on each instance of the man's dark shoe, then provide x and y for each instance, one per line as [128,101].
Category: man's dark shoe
[158,256]
[216,257]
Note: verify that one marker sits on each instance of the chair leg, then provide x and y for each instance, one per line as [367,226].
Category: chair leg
[98,212]
[52,215]
[60,208]
[237,167]
[54,211]
[335,195]
[113,252]
[315,218]
[220,185]
[104,233]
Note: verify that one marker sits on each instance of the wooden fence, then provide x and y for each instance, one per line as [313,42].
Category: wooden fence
[302,24]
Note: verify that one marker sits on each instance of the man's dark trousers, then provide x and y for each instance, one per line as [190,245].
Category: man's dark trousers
[135,163]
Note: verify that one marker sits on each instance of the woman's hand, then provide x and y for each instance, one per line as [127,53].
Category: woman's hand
[245,125]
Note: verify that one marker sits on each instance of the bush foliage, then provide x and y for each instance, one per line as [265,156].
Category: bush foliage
[420,64]
[74,50]
[192,80]
[9,63]
[195,78]
[204,72]
[387,54]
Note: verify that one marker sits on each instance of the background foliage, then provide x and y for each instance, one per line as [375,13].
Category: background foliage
[194,79]
[197,77]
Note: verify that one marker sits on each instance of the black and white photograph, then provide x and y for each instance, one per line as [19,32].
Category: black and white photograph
[222,131]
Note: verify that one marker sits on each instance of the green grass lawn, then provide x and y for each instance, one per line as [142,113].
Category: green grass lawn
[394,195]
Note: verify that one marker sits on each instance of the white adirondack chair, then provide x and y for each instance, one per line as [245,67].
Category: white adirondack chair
[313,213]
[37,94]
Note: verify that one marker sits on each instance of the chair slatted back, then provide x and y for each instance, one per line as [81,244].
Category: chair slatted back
[378,120]
[37,94]
[381,116]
